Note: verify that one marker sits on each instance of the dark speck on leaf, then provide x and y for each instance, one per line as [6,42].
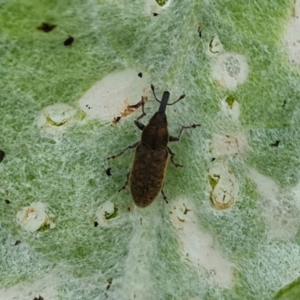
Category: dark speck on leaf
[140,74]
[275,144]
[200,29]
[116,120]
[46,27]
[96,224]
[7,201]
[284,103]
[108,173]
[38,298]
[109,281]
[69,41]
[2,154]
[18,242]
[155,14]
[213,159]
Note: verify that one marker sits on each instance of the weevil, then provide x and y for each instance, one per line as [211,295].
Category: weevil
[147,175]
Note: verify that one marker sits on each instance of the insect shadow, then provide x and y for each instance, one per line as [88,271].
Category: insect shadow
[147,175]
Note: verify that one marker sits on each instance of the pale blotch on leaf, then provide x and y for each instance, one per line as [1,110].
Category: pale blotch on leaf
[161,2]
[281,207]
[228,144]
[230,70]
[291,36]
[202,249]
[110,97]
[54,119]
[231,108]
[106,211]
[34,217]
[155,7]
[224,188]
[215,47]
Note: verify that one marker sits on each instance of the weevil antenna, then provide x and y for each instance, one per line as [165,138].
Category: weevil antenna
[180,98]
[152,88]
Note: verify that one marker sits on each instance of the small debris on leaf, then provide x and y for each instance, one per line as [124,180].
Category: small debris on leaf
[109,281]
[140,74]
[108,173]
[284,103]
[130,109]
[46,27]
[18,242]
[200,26]
[116,120]
[7,201]
[276,144]
[69,41]
[2,155]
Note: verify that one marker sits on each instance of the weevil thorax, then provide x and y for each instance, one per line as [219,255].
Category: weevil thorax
[156,134]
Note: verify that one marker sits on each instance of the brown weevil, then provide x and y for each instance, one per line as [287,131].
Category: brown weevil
[147,175]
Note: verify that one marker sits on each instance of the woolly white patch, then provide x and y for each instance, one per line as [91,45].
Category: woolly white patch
[228,144]
[201,250]
[225,190]
[109,97]
[230,70]
[33,217]
[292,36]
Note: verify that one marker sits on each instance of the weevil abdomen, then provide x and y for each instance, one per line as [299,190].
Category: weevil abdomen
[147,174]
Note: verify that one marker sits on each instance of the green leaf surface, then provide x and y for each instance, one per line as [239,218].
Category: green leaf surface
[146,253]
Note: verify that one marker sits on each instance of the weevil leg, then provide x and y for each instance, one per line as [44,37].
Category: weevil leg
[172,158]
[138,124]
[177,138]
[125,184]
[164,196]
[129,147]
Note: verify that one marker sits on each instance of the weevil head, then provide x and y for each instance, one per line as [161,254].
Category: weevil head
[158,121]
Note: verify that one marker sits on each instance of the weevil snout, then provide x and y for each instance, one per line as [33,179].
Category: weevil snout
[164,102]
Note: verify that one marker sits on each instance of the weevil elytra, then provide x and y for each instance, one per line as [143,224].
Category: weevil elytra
[147,175]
